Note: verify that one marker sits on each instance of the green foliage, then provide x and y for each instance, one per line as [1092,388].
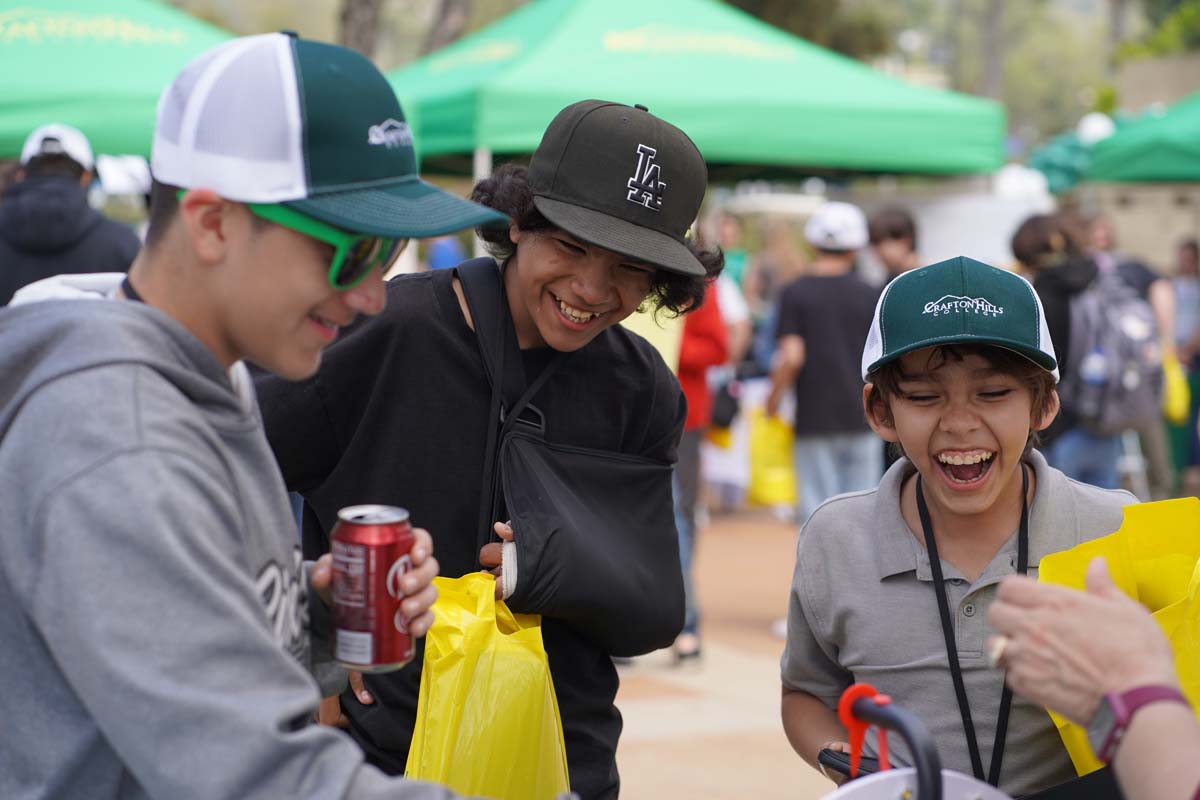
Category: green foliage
[1106,99]
[1179,32]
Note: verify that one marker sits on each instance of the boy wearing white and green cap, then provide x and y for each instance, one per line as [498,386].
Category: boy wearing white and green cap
[158,635]
[892,585]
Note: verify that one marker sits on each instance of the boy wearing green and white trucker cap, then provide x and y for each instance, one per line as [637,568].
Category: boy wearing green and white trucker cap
[892,585]
[158,613]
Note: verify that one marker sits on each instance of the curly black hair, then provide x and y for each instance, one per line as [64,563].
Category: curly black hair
[508,191]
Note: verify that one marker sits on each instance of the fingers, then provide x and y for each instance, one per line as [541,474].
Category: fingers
[1019,590]
[504,530]
[1099,580]
[329,713]
[490,555]
[996,647]
[1005,618]
[418,610]
[359,688]
[423,547]
[320,574]
[421,576]
[420,625]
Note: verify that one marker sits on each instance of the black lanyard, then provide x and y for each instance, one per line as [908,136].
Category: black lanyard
[964,706]
[127,290]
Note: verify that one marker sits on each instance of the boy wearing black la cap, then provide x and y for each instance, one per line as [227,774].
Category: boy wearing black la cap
[400,410]
[892,585]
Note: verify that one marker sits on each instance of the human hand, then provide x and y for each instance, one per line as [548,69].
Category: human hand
[491,555]
[417,585]
[329,712]
[320,575]
[1065,649]
[833,775]
[771,408]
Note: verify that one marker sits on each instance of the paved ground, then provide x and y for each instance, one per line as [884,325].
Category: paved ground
[711,729]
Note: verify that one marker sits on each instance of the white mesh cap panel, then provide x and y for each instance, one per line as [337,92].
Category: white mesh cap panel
[230,122]
[873,350]
[1045,343]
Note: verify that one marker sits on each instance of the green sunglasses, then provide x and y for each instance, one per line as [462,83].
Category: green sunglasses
[355,255]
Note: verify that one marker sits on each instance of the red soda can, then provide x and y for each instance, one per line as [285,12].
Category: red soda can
[371,547]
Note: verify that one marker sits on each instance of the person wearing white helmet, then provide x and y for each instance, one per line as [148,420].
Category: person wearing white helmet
[822,319]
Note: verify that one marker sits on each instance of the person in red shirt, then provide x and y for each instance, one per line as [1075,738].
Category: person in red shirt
[704,345]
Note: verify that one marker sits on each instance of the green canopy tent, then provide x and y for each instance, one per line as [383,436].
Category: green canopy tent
[1157,147]
[747,93]
[97,66]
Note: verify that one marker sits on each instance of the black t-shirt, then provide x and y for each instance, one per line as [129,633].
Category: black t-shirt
[832,314]
[398,415]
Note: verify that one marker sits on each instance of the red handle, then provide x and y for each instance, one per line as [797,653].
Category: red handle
[857,728]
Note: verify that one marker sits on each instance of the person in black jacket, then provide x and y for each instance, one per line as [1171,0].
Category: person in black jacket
[46,225]
[400,410]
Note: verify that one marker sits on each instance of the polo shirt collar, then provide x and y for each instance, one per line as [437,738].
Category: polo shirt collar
[1050,529]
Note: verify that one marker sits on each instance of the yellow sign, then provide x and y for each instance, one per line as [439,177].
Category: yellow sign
[657,38]
[485,53]
[37,27]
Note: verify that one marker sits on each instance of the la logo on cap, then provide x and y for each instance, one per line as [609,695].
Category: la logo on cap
[646,187]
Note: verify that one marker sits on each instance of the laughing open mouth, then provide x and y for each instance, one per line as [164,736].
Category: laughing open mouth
[965,466]
[576,315]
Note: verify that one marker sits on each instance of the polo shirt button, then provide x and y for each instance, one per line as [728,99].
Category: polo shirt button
[968,610]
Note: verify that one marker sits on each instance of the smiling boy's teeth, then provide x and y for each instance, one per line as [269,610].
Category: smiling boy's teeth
[965,458]
[574,314]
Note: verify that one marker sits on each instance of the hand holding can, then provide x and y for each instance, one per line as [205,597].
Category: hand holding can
[382,569]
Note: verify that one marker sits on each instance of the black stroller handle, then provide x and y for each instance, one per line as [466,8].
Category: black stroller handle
[916,735]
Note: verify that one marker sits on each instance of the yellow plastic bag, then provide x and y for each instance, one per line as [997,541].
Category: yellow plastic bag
[772,474]
[487,717]
[1154,558]
[1177,395]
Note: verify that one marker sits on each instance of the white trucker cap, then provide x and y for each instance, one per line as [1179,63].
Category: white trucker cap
[58,139]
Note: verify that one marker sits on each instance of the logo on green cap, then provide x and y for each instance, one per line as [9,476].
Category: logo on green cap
[390,133]
[950,303]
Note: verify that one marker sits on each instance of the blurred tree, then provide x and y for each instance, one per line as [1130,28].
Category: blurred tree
[1159,10]
[1178,32]
[861,29]
[810,19]
[449,23]
[359,25]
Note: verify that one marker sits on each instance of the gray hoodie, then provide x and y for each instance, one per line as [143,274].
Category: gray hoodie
[155,626]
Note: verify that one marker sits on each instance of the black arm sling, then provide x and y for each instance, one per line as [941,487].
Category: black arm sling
[595,529]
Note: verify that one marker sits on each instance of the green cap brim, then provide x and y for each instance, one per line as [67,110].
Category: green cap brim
[1038,357]
[411,209]
[620,236]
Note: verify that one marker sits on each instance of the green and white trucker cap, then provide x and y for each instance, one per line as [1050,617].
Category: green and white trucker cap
[958,301]
[279,119]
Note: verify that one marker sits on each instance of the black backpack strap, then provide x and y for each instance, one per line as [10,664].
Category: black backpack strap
[483,287]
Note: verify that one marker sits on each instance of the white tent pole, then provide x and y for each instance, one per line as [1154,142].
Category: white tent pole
[482,168]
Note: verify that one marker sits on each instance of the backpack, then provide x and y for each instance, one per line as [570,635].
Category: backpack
[1115,381]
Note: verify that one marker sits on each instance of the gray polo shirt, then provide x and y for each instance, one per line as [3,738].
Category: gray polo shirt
[863,608]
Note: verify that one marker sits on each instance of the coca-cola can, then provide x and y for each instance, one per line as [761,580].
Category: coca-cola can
[372,551]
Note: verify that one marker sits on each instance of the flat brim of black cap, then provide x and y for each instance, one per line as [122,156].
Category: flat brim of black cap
[410,209]
[620,236]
